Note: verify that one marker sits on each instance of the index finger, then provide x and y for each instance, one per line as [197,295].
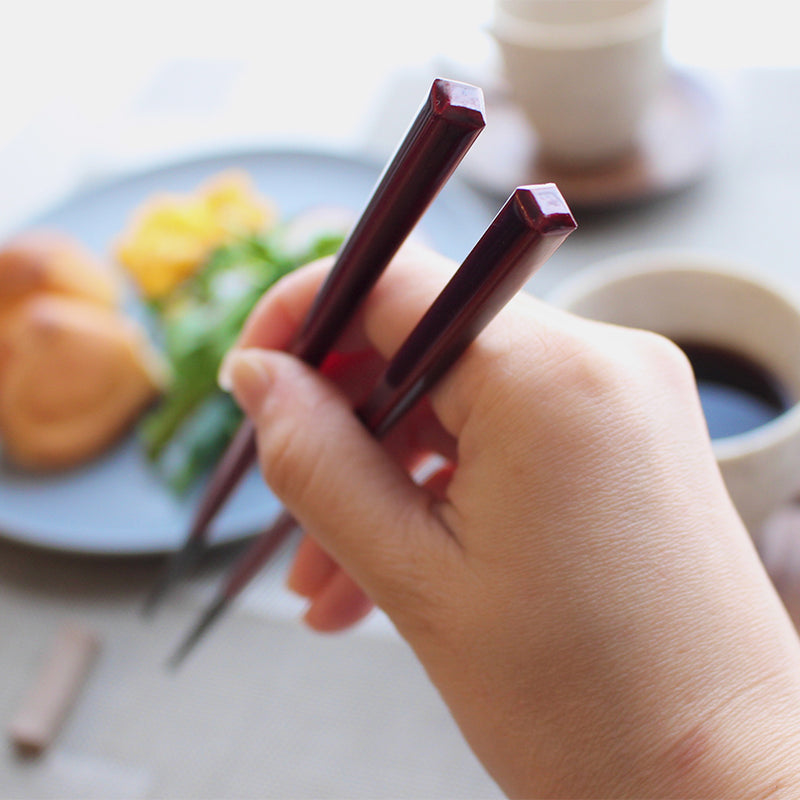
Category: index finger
[411,282]
[394,306]
[277,317]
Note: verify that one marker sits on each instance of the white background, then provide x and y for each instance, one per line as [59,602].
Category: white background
[75,66]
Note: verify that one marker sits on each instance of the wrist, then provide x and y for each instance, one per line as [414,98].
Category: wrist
[745,746]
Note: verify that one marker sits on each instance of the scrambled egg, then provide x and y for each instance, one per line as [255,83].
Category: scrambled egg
[171,235]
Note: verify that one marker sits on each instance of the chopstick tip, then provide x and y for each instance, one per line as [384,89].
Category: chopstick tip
[177,565]
[196,633]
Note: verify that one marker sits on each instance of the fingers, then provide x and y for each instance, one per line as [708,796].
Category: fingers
[278,315]
[335,600]
[338,482]
[394,306]
[311,569]
[417,436]
[339,604]
[415,277]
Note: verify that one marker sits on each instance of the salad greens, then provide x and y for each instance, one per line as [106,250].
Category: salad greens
[197,323]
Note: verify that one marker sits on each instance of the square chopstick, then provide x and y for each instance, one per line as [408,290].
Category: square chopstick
[445,128]
[529,228]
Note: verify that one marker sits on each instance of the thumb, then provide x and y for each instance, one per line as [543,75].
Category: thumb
[339,483]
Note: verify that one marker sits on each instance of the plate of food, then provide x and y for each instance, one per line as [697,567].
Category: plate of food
[116,307]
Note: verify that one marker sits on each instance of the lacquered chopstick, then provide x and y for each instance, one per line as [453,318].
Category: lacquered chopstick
[446,126]
[526,232]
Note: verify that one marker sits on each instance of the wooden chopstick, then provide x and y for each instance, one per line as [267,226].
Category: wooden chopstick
[525,233]
[445,128]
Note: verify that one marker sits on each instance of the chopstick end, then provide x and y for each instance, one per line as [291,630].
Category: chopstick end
[544,208]
[459,102]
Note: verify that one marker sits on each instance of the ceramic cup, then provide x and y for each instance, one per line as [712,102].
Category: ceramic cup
[698,298]
[584,72]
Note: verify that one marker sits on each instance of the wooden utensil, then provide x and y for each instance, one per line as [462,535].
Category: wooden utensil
[446,126]
[526,232]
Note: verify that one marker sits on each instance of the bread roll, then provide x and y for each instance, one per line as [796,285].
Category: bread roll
[47,261]
[73,376]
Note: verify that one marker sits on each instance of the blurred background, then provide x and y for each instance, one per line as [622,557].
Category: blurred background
[95,90]
[91,88]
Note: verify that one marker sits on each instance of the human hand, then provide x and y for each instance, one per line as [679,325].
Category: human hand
[577,584]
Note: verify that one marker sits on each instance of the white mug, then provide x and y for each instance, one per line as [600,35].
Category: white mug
[691,297]
[584,72]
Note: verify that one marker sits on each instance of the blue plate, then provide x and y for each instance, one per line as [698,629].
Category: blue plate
[116,504]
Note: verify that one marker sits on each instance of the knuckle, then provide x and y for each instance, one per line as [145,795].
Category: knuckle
[666,358]
[632,358]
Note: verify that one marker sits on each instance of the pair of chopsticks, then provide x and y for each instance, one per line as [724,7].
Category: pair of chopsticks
[445,128]
[531,225]
[526,232]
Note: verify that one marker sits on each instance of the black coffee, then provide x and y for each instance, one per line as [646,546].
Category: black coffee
[737,394]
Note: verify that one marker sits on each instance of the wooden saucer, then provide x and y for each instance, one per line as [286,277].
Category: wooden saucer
[674,148]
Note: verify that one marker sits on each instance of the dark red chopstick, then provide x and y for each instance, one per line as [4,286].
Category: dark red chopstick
[526,232]
[445,128]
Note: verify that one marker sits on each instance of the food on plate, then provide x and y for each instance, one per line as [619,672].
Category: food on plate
[73,370]
[76,375]
[200,319]
[171,234]
[49,261]
[76,372]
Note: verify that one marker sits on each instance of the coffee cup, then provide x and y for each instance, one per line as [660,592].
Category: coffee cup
[742,334]
[584,72]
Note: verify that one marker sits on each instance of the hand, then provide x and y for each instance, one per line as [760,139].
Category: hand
[577,584]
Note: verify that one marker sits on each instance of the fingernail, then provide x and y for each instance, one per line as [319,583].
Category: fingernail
[224,378]
[244,373]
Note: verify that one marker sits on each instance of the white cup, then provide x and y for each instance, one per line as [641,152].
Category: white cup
[584,72]
[698,298]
